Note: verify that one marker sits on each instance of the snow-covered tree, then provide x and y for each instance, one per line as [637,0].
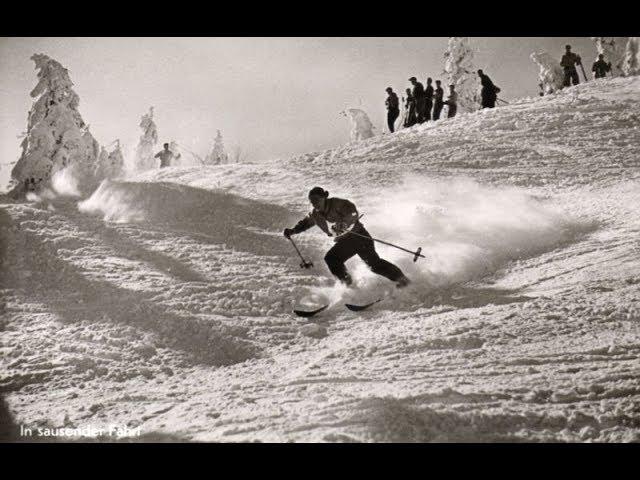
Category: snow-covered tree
[551,73]
[613,50]
[110,164]
[459,69]
[218,154]
[631,63]
[361,126]
[57,137]
[147,145]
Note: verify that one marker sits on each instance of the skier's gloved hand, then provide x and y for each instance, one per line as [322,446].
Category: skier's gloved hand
[288,232]
[339,228]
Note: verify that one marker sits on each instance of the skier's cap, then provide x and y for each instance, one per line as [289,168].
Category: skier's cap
[412,79]
[388,89]
[567,46]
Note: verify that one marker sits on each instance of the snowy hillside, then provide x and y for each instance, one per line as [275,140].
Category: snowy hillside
[164,301]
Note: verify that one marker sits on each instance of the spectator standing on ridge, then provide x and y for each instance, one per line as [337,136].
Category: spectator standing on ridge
[428,95]
[438,102]
[489,91]
[418,95]
[393,108]
[410,110]
[569,62]
[165,156]
[600,67]
[452,101]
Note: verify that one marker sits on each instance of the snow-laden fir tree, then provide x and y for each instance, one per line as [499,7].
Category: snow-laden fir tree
[145,151]
[631,62]
[218,154]
[110,164]
[613,50]
[459,71]
[551,74]
[57,137]
[361,126]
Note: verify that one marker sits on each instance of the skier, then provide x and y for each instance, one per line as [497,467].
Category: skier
[349,239]
[165,156]
[600,67]
[418,95]
[410,107]
[428,95]
[393,108]
[438,102]
[452,101]
[569,62]
[489,91]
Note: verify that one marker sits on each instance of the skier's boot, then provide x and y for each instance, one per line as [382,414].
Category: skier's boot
[402,282]
[347,281]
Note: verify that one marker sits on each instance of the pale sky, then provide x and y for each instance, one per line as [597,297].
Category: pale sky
[273,96]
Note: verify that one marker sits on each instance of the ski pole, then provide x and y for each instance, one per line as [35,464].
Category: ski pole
[503,101]
[304,263]
[583,74]
[416,254]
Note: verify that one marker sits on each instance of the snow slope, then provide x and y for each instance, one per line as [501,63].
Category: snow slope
[163,301]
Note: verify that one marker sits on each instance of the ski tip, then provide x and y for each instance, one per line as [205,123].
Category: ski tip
[359,308]
[309,313]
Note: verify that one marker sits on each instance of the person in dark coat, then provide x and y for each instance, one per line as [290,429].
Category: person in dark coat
[410,110]
[568,63]
[489,92]
[452,101]
[351,238]
[600,67]
[428,95]
[393,108]
[418,95]
[438,100]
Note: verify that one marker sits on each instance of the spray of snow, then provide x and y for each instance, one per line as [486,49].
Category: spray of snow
[551,74]
[613,50]
[460,71]
[145,151]
[361,126]
[631,62]
[466,229]
[115,202]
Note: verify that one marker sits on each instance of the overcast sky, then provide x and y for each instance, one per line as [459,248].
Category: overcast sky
[273,96]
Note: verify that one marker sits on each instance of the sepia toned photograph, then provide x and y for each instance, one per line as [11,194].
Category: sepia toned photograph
[339,239]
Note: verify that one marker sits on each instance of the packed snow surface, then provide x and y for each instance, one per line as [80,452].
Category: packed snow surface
[163,301]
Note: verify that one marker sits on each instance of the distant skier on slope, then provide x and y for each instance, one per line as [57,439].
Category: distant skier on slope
[600,67]
[410,110]
[165,156]
[569,62]
[344,215]
[419,97]
[438,101]
[489,92]
[452,101]
[393,108]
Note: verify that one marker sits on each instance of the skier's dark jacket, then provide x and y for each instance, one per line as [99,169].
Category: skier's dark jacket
[439,93]
[600,67]
[336,210]
[570,60]
[418,91]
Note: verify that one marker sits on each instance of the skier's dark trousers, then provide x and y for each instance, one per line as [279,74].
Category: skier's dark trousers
[349,241]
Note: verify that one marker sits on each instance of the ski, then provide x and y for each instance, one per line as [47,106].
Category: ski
[359,308]
[309,313]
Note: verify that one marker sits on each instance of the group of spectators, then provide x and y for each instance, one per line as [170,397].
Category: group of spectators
[425,104]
